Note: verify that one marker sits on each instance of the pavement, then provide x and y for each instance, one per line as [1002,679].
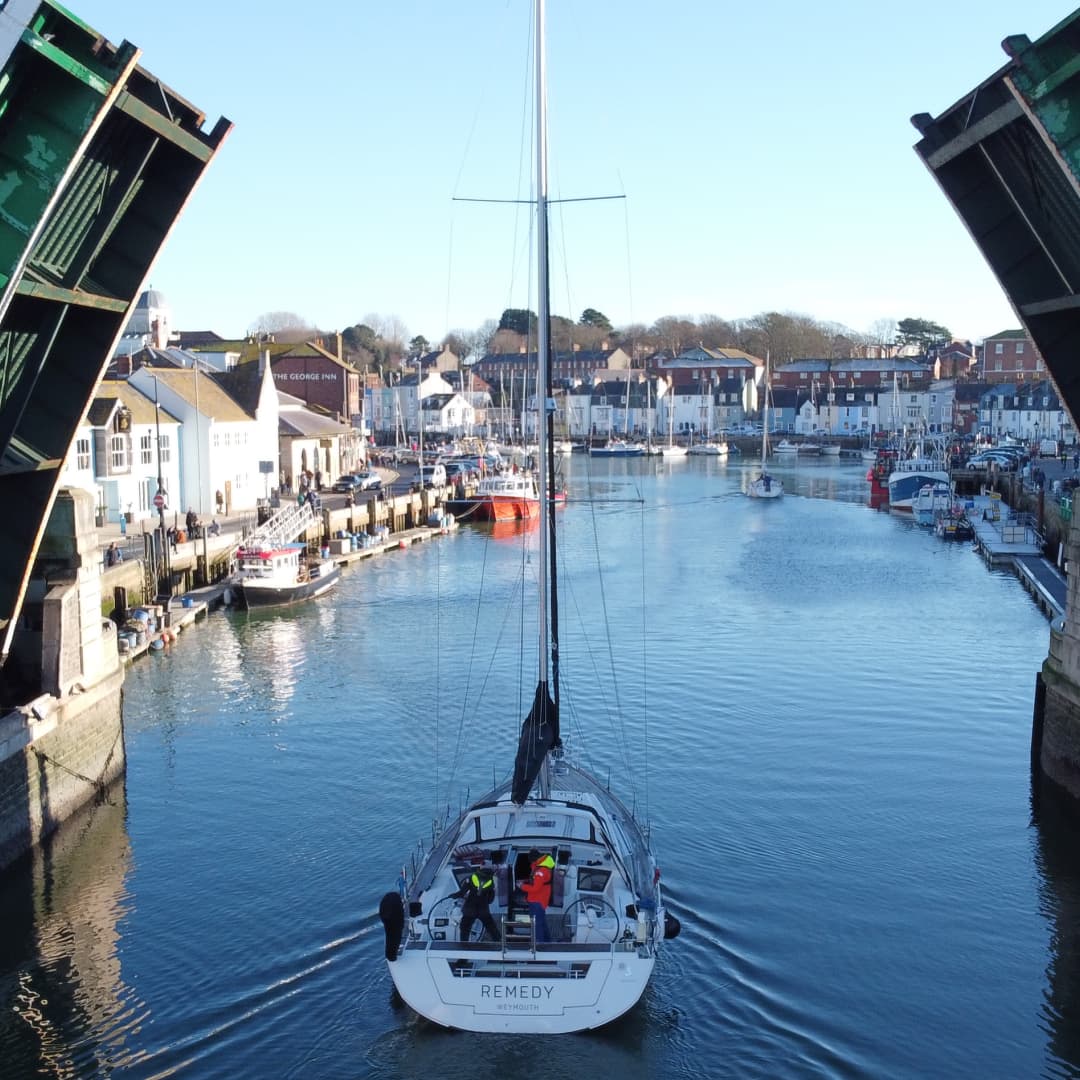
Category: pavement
[130,537]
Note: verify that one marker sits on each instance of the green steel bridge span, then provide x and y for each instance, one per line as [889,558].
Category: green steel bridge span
[97,161]
[1007,156]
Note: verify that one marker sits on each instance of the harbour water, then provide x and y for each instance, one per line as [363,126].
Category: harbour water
[824,710]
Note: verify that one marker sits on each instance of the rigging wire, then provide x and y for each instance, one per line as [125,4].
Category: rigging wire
[644,664]
[438,657]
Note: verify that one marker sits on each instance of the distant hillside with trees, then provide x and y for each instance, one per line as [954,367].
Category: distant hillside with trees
[381,343]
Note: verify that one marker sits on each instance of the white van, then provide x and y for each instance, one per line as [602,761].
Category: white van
[1048,448]
[432,476]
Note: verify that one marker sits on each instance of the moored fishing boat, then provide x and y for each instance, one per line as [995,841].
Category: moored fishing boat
[503,496]
[930,502]
[911,473]
[270,575]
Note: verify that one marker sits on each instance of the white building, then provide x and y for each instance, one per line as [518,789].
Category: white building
[396,408]
[448,414]
[118,452]
[310,441]
[224,448]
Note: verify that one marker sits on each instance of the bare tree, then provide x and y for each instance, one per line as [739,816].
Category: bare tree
[882,333]
[282,325]
[505,342]
[390,328]
[715,333]
[675,333]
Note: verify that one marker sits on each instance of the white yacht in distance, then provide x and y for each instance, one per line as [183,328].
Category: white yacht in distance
[765,485]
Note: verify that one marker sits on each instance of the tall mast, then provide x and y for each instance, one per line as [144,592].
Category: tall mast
[542,331]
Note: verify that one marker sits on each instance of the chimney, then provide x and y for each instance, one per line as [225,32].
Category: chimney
[339,353]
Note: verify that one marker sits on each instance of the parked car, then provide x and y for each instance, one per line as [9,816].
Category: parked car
[347,482]
[432,476]
[369,481]
[358,481]
[1005,462]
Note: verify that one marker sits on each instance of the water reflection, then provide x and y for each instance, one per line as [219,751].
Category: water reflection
[64,1007]
[1058,861]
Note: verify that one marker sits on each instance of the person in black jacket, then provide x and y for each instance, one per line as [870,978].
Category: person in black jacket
[477,890]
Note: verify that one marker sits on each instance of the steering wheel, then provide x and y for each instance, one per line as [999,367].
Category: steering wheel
[591,918]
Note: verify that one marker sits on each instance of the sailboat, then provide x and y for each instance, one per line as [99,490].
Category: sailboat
[586,959]
[709,446]
[620,447]
[673,449]
[765,485]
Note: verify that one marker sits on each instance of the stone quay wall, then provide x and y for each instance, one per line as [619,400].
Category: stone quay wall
[56,756]
[1055,745]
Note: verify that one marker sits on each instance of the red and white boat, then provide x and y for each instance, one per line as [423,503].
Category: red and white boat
[505,496]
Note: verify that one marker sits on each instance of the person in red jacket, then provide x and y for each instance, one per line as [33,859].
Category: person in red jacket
[537,890]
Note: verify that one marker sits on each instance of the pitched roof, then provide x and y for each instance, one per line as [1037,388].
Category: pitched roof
[295,419]
[1010,334]
[196,339]
[213,400]
[313,351]
[111,395]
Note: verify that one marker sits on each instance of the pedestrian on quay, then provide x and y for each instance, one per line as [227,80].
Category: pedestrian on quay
[113,555]
[220,500]
[318,480]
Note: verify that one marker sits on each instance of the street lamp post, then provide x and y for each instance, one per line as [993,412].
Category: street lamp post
[159,500]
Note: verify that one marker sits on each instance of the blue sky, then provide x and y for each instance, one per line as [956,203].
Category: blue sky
[764,151]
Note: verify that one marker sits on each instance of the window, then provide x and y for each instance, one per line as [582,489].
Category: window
[163,449]
[146,449]
[118,448]
[1019,348]
[802,375]
[850,397]
[82,454]
[997,365]
[999,348]
[855,376]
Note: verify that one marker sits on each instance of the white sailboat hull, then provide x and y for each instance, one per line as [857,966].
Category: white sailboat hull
[759,489]
[605,922]
[521,1001]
